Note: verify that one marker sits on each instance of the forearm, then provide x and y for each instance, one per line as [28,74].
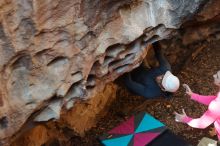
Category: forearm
[202,99]
[139,89]
[161,58]
[202,122]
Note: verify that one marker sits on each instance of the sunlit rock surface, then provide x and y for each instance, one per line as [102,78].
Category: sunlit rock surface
[54,52]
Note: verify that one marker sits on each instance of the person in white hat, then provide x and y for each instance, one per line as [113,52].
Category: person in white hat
[155,82]
[170,82]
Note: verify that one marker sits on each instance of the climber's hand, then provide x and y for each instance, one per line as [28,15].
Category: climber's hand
[188,90]
[180,117]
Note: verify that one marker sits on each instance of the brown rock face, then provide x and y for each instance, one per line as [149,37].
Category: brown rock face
[54,52]
[205,25]
[84,115]
[78,119]
[191,38]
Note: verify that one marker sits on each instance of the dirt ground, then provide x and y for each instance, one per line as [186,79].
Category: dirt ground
[196,69]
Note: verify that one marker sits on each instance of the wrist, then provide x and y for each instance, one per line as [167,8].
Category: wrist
[186,119]
[190,93]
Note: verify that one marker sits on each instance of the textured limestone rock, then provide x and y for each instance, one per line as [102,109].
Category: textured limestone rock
[78,119]
[68,50]
[51,112]
[204,26]
[85,115]
[40,135]
[202,30]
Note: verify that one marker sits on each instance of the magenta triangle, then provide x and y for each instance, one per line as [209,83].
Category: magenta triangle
[141,139]
[126,127]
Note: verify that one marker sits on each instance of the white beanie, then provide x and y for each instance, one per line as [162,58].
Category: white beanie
[170,82]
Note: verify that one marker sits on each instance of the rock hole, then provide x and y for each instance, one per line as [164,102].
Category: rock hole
[76,76]
[45,56]
[42,52]
[115,62]
[91,81]
[57,60]
[129,55]
[29,103]
[124,53]
[127,58]
[77,90]
[3,122]
[95,65]
[114,50]
[132,48]
[107,60]
[75,73]
[23,61]
[152,39]
[121,69]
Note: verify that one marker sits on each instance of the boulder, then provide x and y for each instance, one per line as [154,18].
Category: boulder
[62,50]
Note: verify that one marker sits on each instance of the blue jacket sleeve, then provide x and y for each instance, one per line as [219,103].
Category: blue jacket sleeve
[159,54]
[147,92]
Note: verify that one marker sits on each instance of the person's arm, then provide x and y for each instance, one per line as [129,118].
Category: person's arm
[202,99]
[163,62]
[199,98]
[140,89]
[204,121]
